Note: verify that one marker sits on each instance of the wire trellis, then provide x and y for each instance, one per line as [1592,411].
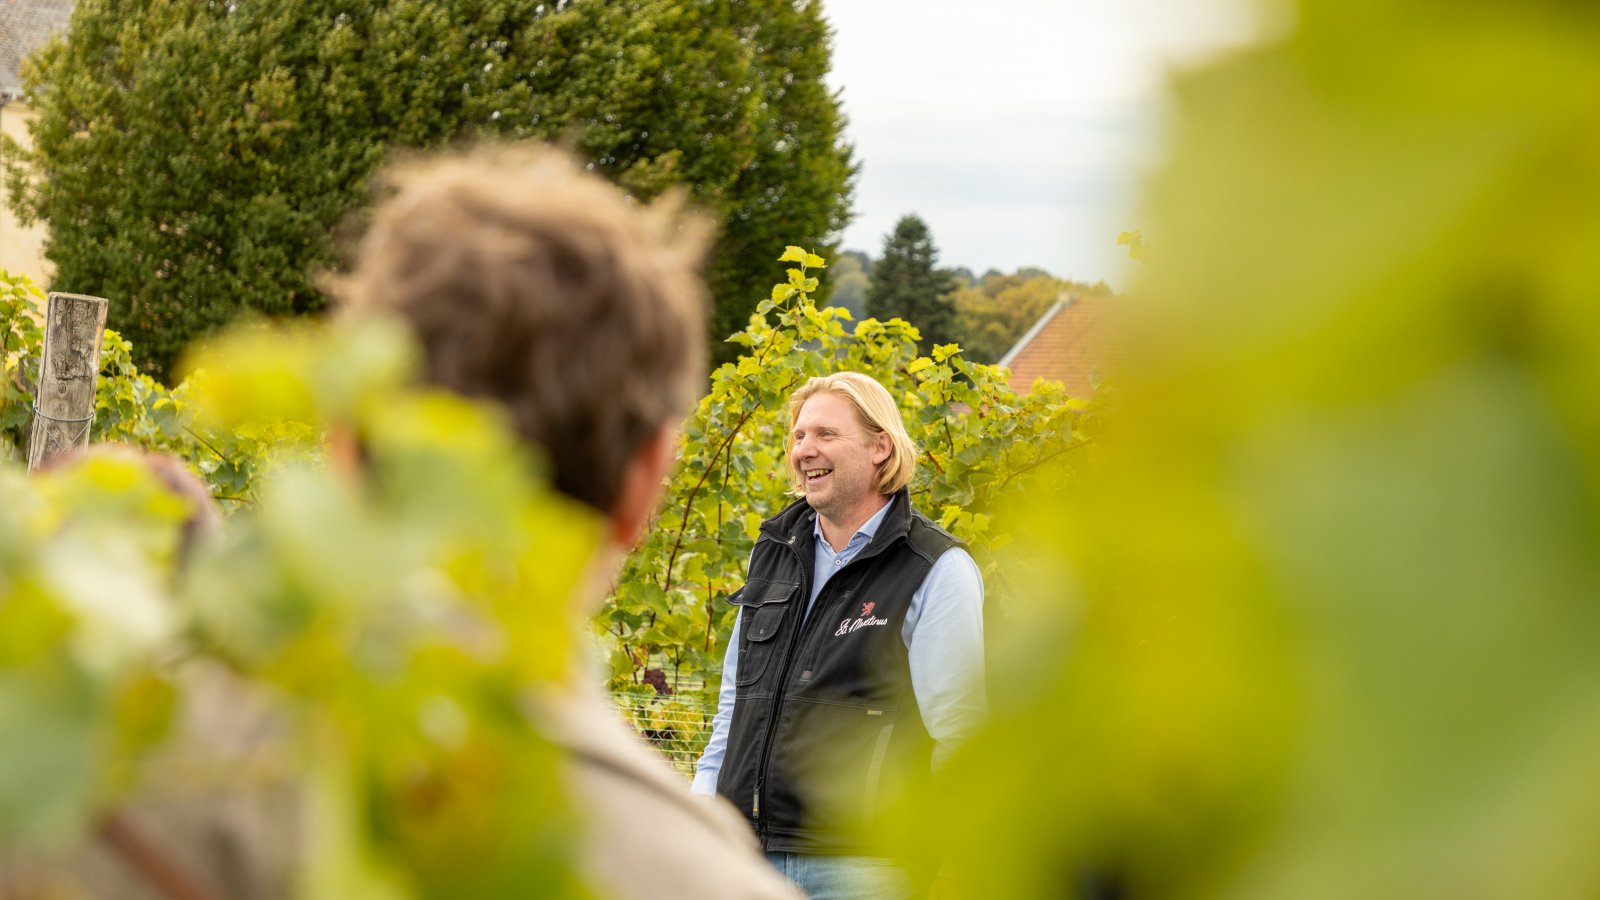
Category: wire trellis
[677,725]
[85,421]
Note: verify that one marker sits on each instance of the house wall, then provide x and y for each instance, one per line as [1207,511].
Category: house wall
[21,249]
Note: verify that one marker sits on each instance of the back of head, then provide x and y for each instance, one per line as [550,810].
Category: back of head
[534,283]
[877,413]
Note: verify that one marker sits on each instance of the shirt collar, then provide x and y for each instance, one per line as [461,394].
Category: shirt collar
[866,532]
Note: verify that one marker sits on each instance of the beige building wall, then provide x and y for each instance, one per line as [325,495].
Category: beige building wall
[21,249]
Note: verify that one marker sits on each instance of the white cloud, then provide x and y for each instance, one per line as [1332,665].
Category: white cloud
[1016,128]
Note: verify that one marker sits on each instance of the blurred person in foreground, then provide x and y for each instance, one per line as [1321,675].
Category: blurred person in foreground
[857,658]
[531,283]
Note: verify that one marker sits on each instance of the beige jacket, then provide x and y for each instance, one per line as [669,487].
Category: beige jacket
[645,835]
[221,803]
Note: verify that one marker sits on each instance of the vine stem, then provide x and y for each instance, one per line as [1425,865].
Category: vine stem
[158,867]
[688,503]
[633,660]
[204,443]
[711,620]
[723,452]
[1022,470]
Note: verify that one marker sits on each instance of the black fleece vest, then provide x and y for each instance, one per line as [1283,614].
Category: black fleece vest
[824,712]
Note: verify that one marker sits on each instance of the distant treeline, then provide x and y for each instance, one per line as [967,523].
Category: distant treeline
[985,314]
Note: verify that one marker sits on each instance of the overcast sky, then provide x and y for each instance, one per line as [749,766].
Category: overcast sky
[1017,129]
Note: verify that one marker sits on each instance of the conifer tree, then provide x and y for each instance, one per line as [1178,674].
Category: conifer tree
[908,283]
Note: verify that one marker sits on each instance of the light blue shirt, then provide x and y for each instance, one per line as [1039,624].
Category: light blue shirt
[943,633]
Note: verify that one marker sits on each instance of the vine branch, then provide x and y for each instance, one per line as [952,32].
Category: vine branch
[1022,470]
[157,867]
[204,443]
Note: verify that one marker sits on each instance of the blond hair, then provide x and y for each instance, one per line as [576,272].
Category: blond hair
[534,283]
[877,414]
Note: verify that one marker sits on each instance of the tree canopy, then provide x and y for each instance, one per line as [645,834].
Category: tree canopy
[196,160]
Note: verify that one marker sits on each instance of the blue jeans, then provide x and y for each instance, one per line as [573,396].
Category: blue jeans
[825,877]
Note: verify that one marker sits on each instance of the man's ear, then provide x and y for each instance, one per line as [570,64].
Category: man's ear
[882,445]
[641,486]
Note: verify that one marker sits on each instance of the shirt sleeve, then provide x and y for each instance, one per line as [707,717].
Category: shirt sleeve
[710,765]
[943,633]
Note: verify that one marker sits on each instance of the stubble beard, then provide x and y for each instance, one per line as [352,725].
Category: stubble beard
[836,503]
[823,507]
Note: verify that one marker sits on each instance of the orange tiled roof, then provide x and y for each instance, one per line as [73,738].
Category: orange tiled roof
[1069,344]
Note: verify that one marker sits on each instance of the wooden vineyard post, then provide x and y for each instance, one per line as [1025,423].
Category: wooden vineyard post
[63,407]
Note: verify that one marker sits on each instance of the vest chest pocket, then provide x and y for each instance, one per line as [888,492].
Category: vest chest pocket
[765,605]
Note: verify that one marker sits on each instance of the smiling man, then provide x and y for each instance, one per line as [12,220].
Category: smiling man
[857,657]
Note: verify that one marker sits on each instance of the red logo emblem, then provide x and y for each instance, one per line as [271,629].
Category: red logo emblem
[866,609]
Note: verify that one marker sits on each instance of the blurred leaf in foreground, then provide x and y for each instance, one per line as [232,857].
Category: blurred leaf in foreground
[84,557]
[1324,623]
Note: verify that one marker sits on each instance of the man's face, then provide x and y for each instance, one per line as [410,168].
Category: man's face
[835,458]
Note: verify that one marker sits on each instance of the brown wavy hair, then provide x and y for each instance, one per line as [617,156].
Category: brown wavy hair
[532,282]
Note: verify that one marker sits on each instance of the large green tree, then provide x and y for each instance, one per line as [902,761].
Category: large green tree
[195,160]
[908,283]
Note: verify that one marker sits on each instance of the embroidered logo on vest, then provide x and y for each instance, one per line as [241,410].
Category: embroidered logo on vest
[865,620]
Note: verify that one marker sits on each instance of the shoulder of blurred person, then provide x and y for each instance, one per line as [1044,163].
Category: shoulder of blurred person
[217,808]
[223,797]
[645,835]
